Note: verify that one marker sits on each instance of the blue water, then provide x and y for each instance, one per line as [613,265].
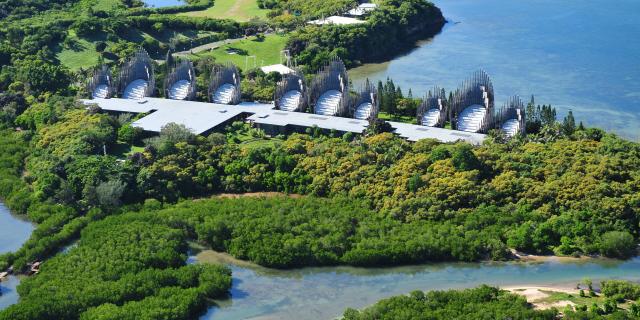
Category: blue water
[324,293]
[14,232]
[163,3]
[578,55]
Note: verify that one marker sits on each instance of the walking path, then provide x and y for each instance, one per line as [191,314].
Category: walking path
[207,46]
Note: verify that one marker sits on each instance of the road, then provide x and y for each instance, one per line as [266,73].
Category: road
[207,46]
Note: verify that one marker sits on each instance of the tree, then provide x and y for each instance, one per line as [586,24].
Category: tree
[109,193]
[617,244]
[101,46]
[415,182]
[41,76]
[569,124]
[463,157]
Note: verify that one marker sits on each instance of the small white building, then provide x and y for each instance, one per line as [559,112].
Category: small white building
[362,9]
[279,68]
[337,20]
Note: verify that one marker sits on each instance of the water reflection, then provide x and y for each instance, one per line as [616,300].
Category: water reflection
[14,231]
[324,293]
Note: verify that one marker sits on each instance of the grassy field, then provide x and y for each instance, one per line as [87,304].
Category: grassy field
[239,10]
[267,52]
[81,54]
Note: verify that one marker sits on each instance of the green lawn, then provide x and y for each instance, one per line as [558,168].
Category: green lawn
[80,54]
[239,10]
[267,52]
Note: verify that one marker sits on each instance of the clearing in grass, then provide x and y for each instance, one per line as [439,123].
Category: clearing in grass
[266,51]
[239,10]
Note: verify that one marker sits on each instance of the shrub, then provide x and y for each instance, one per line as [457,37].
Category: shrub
[617,244]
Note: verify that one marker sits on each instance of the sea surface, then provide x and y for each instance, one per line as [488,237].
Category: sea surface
[575,55]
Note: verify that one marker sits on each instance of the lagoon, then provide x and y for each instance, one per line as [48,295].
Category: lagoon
[324,293]
[576,55]
[14,231]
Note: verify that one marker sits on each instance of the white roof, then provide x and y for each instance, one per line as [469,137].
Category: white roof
[337,20]
[414,132]
[200,117]
[284,118]
[362,9]
[279,68]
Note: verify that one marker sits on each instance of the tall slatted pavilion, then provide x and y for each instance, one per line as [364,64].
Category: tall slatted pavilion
[433,110]
[329,90]
[473,104]
[136,79]
[224,86]
[365,105]
[181,82]
[101,85]
[511,117]
[291,92]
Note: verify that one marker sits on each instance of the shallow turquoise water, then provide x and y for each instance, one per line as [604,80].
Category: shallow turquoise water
[324,293]
[579,55]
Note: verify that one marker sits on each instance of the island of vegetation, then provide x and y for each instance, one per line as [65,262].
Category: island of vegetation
[132,203]
[617,301]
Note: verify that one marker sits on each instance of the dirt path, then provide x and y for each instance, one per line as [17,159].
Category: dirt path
[236,9]
[208,46]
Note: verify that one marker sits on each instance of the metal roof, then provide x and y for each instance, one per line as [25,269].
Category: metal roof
[414,132]
[200,117]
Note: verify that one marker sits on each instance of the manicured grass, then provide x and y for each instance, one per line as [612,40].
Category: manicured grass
[239,10]
[267,52]
[82,55]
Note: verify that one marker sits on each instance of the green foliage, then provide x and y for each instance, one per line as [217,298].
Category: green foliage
[391,27]
[121,269]
[40,76]
[619,244]
[129,134]
[480,303]
[620,288]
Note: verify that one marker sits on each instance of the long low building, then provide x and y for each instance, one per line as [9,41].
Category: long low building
[202,117]
[414,132]
[279,121]
[199,117]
